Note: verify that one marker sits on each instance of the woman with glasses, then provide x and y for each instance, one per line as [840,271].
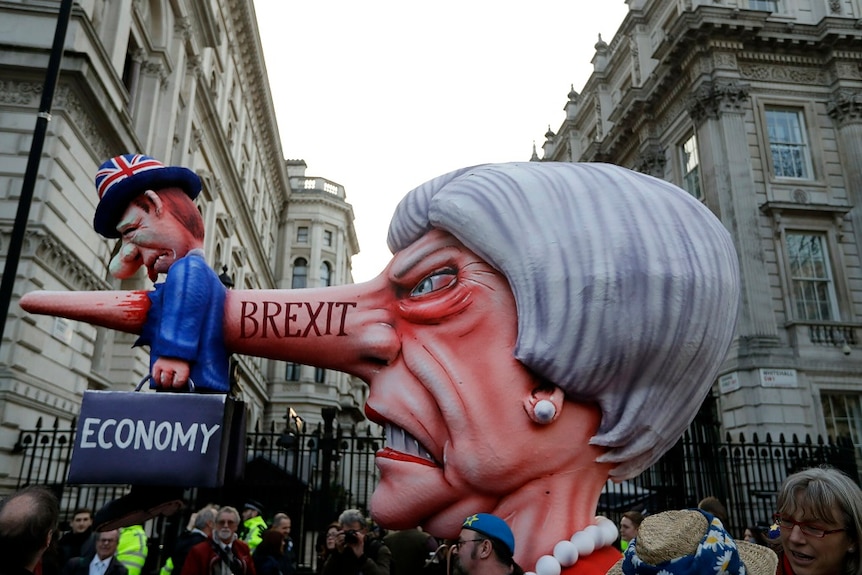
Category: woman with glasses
[820,520]
[326,544]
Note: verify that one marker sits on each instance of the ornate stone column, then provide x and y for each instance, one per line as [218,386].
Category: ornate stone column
[717,108]
[845,108]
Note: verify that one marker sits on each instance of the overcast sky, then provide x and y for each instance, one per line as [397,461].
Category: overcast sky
[380,96]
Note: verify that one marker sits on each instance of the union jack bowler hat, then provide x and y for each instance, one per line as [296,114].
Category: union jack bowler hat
[122,178]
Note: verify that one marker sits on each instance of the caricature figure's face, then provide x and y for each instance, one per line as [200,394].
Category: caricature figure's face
[150,237]
[452,396]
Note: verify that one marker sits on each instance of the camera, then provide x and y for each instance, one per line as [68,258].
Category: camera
[350,536]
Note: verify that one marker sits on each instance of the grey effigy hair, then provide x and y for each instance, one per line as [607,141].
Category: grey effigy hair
[627,288]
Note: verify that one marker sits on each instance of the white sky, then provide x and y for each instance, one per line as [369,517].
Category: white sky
[381,95]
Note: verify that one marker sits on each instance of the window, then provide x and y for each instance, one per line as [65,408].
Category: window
[691,168]
[788,143]
[300,274]
[842,414]
[766,5]
[319,375]
[811,277]
[132,71]
[302,235]
[292,372]
[327,238]
[325,275]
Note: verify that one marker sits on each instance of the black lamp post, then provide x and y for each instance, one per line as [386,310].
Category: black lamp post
[225,278]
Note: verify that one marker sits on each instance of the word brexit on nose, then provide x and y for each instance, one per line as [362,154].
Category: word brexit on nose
[293,318]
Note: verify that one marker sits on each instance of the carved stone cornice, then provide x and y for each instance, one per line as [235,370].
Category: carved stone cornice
[770,72]
[183,28]
[41,245]
[65,99]
[711,99]
[226,223]
[193,65]
[154,68]
[20,93]
[845,106]
[651,161]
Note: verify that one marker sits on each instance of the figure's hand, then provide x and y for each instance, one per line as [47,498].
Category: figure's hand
[170,372]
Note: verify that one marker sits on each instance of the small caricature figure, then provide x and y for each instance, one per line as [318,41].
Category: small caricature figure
[150,208]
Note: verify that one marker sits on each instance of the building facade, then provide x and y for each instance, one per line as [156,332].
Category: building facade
[755,108]
[183,81]
[321,248]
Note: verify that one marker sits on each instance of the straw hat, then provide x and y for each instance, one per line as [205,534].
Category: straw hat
[697,543]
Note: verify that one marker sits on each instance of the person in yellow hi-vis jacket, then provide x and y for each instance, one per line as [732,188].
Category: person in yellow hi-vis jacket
[253,525]
[132,548]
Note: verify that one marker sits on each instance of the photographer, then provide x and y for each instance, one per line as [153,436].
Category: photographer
[356,550]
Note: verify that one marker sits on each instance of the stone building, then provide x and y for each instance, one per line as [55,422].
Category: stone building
[755,108]
[185,82]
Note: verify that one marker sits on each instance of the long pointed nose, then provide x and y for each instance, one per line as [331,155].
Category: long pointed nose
[347,328]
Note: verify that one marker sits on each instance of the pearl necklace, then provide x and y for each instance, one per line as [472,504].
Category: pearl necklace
[566,553]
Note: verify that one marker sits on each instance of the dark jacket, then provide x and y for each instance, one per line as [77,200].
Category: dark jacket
[81,566]
[375,561]
[76,545]
[267,565]
[184,544]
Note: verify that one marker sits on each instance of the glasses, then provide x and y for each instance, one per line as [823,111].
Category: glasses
[107,541]
[785,523]
[457,545]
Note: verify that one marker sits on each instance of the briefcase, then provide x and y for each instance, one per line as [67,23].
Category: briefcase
[158,438]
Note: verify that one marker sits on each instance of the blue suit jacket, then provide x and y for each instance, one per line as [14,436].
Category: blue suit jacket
[185,322]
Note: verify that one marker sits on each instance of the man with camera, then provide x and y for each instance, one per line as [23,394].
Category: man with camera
[356,550]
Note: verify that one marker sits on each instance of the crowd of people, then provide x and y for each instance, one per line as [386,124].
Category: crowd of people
[817,530]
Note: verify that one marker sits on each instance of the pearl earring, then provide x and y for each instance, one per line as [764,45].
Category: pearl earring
[544,411]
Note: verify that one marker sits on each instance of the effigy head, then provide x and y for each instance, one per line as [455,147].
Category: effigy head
[122,178]
[626,287]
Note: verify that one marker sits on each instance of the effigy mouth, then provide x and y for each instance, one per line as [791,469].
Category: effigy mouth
[405,446]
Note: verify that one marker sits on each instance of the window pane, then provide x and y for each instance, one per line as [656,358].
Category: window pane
[302,235]
[325,274]
[811,277]
[691,168]
[292,372]
[300,274]
[788,144]
[842,414]
[767,5]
